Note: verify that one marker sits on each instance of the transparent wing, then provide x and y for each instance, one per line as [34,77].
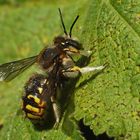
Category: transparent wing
[9,71]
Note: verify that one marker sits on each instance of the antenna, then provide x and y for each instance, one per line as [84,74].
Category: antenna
[70,33]
[62,22]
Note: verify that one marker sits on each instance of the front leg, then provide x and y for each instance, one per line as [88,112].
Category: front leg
[70,70]
[75,71]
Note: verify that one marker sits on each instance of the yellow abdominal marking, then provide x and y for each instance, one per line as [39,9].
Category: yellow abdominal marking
[36,99]
[40,90]
[33,116]
[33,109]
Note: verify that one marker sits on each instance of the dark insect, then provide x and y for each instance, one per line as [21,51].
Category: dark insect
[41,90]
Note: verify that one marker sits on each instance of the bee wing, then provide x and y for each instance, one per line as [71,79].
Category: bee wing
[9,71]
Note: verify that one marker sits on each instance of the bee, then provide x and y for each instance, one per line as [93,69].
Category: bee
[40,92]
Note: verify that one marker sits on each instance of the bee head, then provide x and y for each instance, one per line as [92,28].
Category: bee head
[67,43]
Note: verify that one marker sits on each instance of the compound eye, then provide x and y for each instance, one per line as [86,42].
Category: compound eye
[74,44]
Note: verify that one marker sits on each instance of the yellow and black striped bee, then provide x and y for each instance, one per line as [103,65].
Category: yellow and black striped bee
[40,92]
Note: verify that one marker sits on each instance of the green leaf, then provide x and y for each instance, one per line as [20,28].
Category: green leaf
[110,102]
[107,102]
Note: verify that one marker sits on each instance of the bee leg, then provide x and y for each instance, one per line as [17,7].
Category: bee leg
[91,69]
[70,73]
[57,112]
[76,71]
[85,53]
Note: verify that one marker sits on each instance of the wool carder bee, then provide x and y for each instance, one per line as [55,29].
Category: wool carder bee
[40,92]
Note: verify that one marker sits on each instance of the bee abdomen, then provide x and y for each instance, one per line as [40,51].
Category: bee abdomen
[35,100]
[34,107]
